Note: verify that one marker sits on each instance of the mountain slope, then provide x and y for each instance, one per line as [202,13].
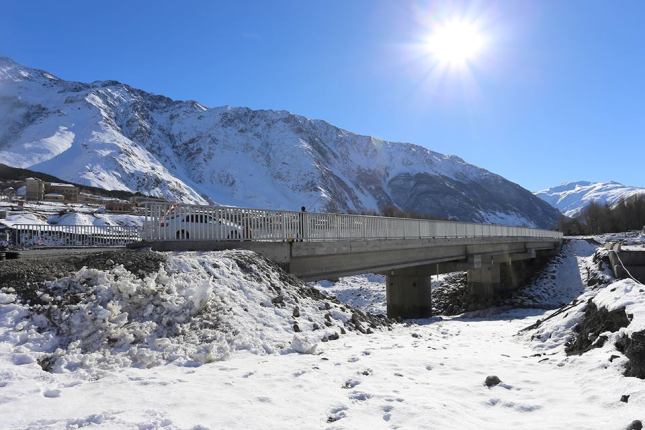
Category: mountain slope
[111,135]
[571,198]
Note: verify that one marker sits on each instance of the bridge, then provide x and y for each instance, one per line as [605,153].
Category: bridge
[315,246]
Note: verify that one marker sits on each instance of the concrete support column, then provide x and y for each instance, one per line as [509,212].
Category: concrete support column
[484,282]
[408,292]
[513,275]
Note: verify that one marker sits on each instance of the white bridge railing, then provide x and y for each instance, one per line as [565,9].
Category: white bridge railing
[189,222]
[49,236]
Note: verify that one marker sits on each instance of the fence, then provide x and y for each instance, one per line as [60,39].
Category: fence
[188,222]
[48,236]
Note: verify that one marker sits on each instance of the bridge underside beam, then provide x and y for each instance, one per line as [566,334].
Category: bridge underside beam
[325,260]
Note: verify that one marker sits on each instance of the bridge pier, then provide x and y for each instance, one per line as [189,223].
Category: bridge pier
[408,292]
[492,280]
[484,282]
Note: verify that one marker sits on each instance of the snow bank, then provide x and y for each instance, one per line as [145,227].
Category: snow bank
[198,308]
[565,277]
[627,294]
[595,327]
[23,218]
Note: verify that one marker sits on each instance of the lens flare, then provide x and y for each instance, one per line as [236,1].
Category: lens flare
[455,43]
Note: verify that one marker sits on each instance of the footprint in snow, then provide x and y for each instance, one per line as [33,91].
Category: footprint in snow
[351,383]
[336,413]
[353,359]
[359,396]
[387,409]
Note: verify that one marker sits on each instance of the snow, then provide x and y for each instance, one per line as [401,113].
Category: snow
[388,380]
[563,279]
[627,294]
[636,238]
[571,198]
[504,218]
[427,374]
[23,218]
[197,309]
[364,292]
[55,213]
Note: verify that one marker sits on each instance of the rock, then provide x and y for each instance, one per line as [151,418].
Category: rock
[333,336]
[296,312]
[596,321]
[635,425]
[278,301]
[612,357]
[624,398]
[492,381]
[296,328]
[634,349]
[109,262]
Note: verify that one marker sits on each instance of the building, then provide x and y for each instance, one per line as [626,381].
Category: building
[54,197]
[118,206]
[91,199]
[142,200]
[35,189]
[68,191]
[9,192]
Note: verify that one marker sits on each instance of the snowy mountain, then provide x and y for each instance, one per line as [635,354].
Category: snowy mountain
[571,198]
[111,135]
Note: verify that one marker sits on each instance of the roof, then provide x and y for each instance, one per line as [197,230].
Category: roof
[58,184]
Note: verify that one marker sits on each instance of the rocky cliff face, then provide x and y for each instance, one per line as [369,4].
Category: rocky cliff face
[114,136]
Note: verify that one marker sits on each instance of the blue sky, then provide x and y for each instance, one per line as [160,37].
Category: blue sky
[558,93]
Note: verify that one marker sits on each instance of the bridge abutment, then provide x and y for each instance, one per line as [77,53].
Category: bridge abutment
[408,292]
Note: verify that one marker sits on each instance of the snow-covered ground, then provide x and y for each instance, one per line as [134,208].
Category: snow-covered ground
[65,214]
[626,238]
[366,292]
[427,374]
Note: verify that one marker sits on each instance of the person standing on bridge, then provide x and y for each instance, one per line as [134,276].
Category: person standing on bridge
[301,224]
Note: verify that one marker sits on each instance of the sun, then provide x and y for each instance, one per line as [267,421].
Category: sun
[455,43]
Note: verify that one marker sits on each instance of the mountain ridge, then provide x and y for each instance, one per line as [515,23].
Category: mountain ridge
[112,135]
[572,197]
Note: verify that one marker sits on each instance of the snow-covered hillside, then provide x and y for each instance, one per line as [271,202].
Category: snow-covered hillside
[572,197]
[111,135]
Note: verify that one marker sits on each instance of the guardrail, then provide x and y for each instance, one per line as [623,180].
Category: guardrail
[190,222]
[49,236]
